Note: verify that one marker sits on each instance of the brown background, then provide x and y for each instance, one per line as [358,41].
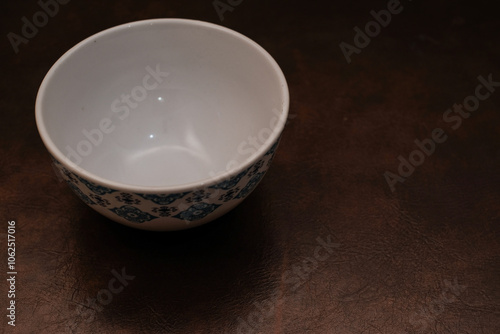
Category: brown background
[422,259]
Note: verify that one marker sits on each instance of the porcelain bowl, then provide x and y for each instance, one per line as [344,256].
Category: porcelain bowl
[163,124]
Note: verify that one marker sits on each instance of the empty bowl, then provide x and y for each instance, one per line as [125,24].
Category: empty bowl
[163,124]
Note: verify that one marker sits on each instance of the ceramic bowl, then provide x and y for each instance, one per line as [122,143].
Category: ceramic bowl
[163,124]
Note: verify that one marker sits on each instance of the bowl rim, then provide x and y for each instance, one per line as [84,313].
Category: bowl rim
[210,180]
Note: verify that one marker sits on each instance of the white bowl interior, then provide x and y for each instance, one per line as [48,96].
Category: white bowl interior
[215,99]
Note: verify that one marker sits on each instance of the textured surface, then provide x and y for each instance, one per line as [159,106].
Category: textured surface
[323,245]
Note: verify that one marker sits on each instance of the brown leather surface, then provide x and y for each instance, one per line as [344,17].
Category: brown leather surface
[323,245]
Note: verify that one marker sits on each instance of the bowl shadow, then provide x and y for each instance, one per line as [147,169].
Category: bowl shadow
[205,273]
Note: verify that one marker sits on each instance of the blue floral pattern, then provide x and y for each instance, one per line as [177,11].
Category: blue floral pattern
[80,194]
[228,184]
[127,199]
[163,199]
[198,196]
[188,206]
[273,148]
[132,214]
[165,211]
[229,195]
[197,211]
[96,189]
[70,175]
[250,185]
[99,200]
[255,168]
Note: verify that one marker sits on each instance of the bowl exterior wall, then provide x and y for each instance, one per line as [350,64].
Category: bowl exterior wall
[169,211]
